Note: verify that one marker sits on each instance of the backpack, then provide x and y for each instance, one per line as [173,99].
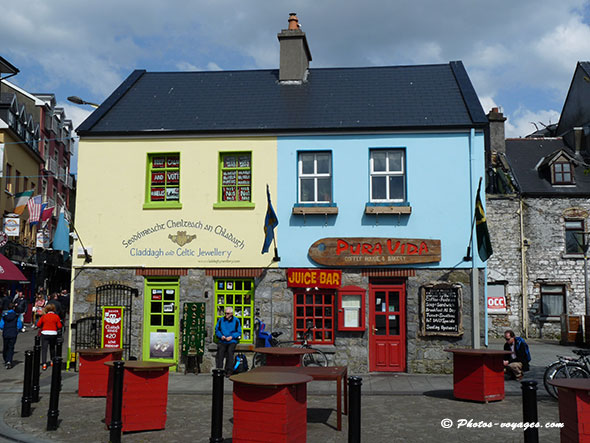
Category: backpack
[520,342]
[240,364]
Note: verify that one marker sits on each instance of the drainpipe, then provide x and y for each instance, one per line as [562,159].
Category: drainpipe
[474,273]
[523,279]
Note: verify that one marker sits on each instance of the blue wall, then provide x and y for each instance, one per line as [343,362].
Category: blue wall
[443,170]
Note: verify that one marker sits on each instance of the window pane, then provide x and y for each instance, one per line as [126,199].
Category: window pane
[552,304]
[324,190]
[396,187]
[558,167]
[393,301]
[565,167]
[574,241]
[378,188]
[380,302]
[394,325]
[307,163]
[323,162]
[380,325]
[395,160]
[379,164]
[307,192]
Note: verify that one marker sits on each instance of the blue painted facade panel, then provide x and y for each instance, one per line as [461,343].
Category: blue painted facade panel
[442,173]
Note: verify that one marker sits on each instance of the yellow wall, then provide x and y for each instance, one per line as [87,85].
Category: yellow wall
[111,192]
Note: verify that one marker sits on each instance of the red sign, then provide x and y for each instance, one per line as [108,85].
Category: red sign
[112,322]
[173,162]
[158,178]
[172,177]
[496,304]
[313,278]
[158,194]
[158,162]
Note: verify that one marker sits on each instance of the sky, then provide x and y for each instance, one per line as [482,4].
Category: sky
[520,55]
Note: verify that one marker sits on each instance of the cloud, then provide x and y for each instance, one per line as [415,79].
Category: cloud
[524,121]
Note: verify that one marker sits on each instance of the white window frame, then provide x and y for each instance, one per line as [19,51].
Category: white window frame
[315,176]
[387,173]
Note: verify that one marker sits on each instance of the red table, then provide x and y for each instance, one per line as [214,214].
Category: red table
[478,374]
[574,408]
[145,395]
[270,406]
[93,375]
[283,356]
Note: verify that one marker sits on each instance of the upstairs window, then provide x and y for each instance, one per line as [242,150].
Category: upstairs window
[388,176]
[574,237]
[315,177]
[235,180]
[561,173]
[163,181]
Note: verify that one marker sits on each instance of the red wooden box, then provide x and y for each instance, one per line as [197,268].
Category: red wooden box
[574,409]
[93,375]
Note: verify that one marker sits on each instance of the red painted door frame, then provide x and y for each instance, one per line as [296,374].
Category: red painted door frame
[387,327]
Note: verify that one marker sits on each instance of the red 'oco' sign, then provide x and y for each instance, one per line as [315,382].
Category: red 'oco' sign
[112,322]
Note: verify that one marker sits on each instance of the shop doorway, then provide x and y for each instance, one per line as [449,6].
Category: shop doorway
[387,327]
[161,313]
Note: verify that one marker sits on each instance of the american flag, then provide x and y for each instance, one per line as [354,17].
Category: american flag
[34,205]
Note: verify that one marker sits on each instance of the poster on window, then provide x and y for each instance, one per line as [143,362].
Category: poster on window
[172,177]
[244,178]
[496,304]
[158,178]
[158,194]
[112,326]
[156,294]
[244,161]
[228,178]
[173,162]
[229,161]
[172,193]
[245,193]
[162,345]
[158,162]
[229,194]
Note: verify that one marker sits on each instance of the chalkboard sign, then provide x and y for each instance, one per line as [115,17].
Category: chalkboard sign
[441,309]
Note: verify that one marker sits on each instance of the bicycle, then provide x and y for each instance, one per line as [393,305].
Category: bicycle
[567,367]
[315,359]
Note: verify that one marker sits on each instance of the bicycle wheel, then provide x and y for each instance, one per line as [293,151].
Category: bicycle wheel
[258,360]
[317,359]
[548,375]
[569,370]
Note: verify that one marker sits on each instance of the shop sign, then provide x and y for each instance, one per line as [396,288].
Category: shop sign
[12,226]
[43,239]
[112,323]
[365,251]
[496,304]
[315,278]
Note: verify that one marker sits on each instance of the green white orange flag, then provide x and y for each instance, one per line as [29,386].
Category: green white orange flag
[21,200]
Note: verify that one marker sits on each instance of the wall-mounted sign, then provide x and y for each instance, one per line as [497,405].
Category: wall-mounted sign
[43,239]
[112,327]
[12,226]
[313,278]
[575,213]
[441,309]
[374,251]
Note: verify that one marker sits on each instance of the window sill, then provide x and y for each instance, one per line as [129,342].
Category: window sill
[169,205]
[315,209]
[388,208]
[573,256]
[234,205]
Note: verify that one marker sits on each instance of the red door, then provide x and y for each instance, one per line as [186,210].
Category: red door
[387,328]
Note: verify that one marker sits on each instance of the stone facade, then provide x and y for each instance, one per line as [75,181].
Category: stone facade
[275,301]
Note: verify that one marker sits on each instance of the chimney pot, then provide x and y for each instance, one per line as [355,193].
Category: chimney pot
[293,21]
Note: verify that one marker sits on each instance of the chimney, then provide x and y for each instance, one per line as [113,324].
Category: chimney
[578,132]
[295,55]
[497,135]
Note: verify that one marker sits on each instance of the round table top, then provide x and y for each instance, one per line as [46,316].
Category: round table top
[99,351]
[284,351]
[142,365]
[469,351]
[269,378]
[572,383]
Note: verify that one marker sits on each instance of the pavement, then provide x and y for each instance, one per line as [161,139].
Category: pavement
[395,408]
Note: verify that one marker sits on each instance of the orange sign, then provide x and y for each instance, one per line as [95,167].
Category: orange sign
[316,278]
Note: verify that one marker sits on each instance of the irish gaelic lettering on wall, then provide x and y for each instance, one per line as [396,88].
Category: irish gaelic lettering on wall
[441,309]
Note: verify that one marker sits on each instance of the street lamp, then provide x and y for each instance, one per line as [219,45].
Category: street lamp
[79,101]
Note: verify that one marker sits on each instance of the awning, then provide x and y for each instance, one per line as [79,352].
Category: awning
[9,271]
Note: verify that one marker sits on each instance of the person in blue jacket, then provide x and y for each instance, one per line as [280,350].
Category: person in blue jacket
[10,324]
[228,332]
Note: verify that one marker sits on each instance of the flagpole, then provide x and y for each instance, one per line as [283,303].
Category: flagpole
[468,255]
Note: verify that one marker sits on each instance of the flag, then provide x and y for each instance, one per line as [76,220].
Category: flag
[61,239]
[35,209]
[484,243]
[270,223]
[20,201]
[46,213]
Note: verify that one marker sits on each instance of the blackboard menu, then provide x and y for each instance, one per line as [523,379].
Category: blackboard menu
[441,309]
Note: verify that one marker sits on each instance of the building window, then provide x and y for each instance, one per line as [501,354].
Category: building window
[163,178]
[8,175]
[315,177]
[17,182]
[315,309]
[562,173]
[552,300]
[388,179]
[574,237]
[239,295]
[235,172]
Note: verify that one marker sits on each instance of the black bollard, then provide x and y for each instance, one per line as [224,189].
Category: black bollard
[53,412]
[217,407]
[27,385]
[529,410]
[36,368]
[59,343]
[354,409]
[116,426]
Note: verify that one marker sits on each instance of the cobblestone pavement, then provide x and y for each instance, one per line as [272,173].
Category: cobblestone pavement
[387,418]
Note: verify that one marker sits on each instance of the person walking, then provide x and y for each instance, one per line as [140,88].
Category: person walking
[10,325]
[20,307]
[38,309]
[229,332]
[49,324]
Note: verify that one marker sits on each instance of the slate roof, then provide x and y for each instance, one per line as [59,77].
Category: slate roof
[333,99]
[525,155]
